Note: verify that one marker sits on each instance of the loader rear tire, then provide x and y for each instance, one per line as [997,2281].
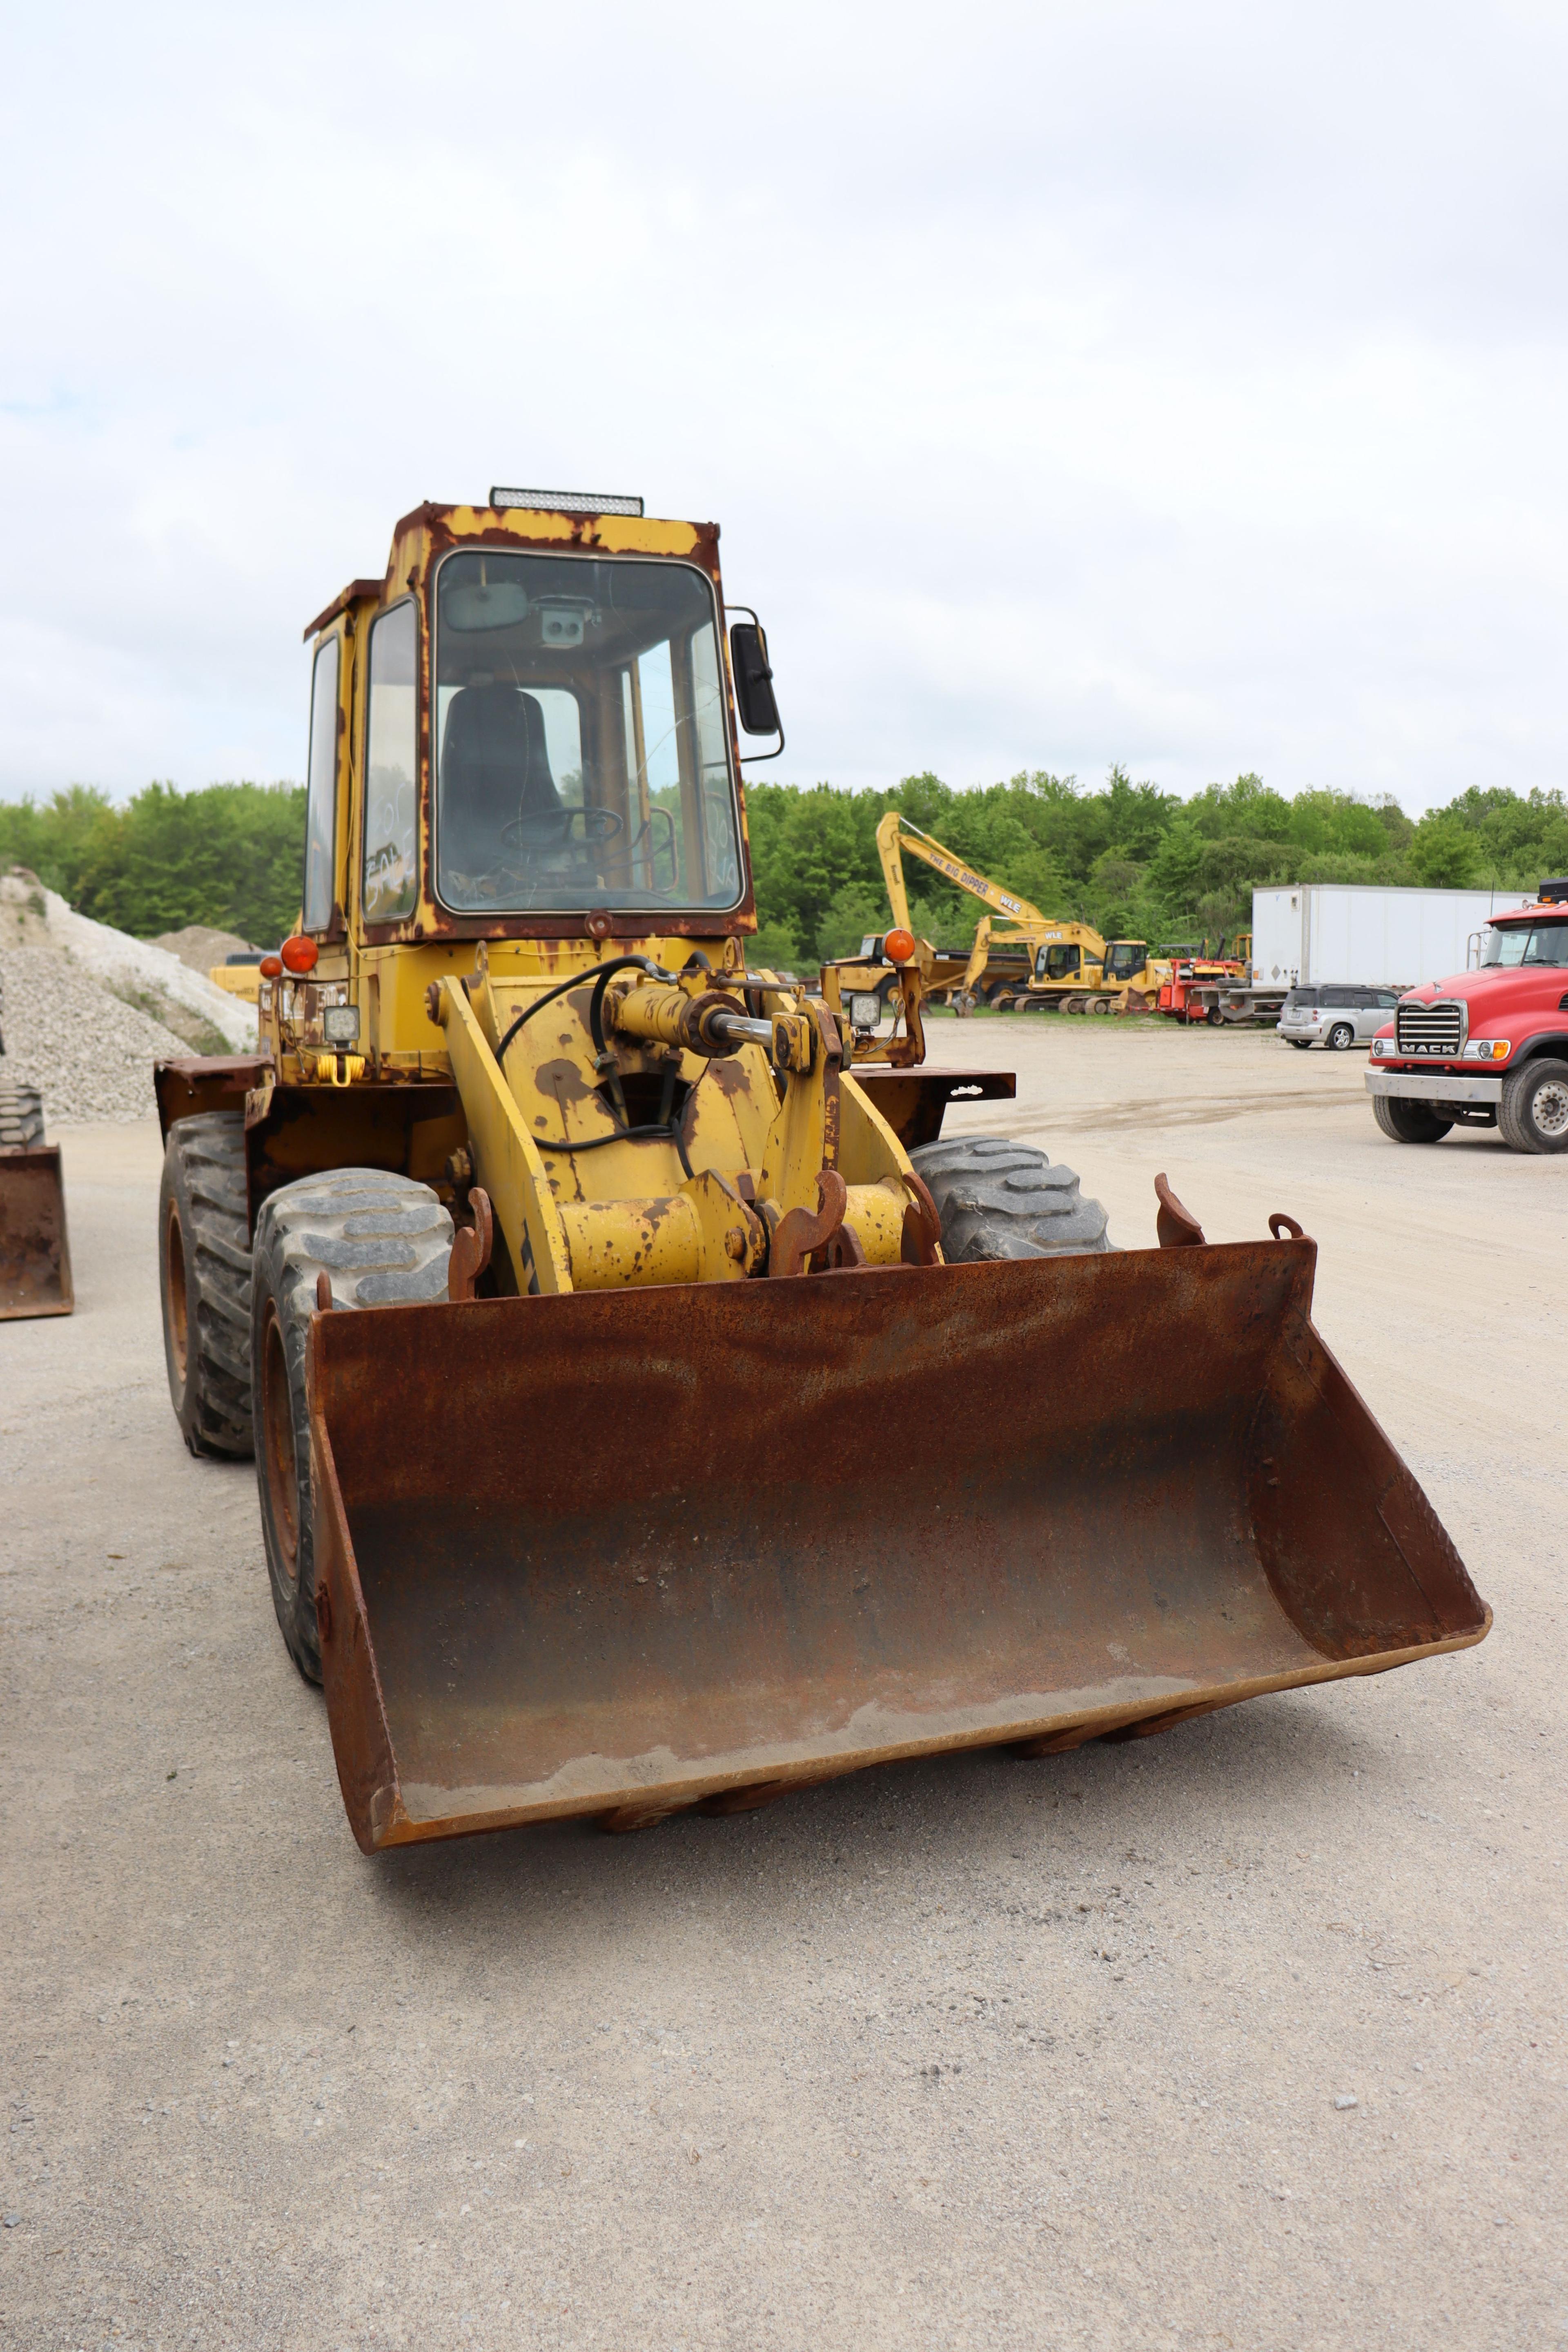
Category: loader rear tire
[204,1275]
[383,1241]
[1001,1200]
[21,1116]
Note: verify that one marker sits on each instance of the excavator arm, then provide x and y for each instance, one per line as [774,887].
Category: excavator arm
[977,955]
[896,834]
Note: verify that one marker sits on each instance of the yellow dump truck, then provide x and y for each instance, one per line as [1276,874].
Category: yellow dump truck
[620,1360]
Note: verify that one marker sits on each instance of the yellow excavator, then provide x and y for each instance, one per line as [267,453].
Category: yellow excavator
[620,1357]
[1042,962]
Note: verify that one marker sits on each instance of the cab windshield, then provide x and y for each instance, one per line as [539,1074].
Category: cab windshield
[581,740]
[1124,956]
[1506,943]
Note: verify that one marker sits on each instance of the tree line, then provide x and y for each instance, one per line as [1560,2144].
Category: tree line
[231,856]
[1133,860]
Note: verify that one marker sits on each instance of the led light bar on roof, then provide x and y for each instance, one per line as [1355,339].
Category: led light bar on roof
[566,502]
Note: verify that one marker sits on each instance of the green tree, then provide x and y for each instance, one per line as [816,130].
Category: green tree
[61,839]
[1446,854]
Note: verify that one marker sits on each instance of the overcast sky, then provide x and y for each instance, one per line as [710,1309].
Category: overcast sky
[1175,384]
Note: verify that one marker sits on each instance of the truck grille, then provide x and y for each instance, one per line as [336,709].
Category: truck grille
[1431,1031]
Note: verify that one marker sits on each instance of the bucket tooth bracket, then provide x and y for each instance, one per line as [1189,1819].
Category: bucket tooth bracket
[1177,1226]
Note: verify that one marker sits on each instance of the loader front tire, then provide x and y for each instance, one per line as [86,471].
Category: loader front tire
[1001,1200]
[383,1240]
[204,1275]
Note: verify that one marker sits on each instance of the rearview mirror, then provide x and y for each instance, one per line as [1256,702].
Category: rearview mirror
[753,679]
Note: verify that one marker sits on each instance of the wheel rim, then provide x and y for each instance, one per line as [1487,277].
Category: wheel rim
[175,1291]
[278,1444]
[1549,1111]
[1341,1038]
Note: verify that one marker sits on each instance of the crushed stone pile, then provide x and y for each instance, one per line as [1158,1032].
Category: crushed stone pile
[90,1054]
[84,1010]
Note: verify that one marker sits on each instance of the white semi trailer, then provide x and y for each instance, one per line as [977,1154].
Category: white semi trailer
[1368,937]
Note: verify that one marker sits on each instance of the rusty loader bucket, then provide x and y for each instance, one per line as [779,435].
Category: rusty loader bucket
[34,1253]
[619,1553]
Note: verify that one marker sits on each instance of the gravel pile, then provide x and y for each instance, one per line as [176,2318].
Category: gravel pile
[89,1053]
[84,1010]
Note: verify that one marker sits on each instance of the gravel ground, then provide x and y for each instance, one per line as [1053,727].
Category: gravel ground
[67,1032]
[969,2053]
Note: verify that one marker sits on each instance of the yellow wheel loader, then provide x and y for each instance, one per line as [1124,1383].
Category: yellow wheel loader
[619,1357]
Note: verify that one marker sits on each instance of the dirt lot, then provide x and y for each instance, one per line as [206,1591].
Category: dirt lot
[975,2052]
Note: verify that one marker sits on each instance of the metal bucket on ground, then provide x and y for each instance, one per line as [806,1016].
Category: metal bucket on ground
[622,1553]
[35,1249]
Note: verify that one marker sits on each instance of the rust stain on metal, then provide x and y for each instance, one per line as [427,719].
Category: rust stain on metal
[566,1080]
[705,1621]
[922,1222]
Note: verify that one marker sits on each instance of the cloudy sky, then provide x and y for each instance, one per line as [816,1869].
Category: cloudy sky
[1177,385]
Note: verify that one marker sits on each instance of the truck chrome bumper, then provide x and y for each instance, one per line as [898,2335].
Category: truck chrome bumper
[1422,1087]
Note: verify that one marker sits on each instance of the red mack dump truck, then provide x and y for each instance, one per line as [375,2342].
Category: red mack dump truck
[1488,1048]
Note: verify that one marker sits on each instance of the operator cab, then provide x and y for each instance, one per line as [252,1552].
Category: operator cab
[581,747]
[1058,962]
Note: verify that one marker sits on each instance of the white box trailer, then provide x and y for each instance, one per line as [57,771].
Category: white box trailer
[1368,937]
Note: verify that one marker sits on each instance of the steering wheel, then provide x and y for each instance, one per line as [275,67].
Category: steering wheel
[552,828]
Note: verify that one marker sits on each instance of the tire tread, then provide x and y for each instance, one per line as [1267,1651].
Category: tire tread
[998,1199]
[205,1165]
[382,1240]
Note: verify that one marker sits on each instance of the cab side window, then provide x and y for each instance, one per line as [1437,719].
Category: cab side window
[321,794]
[391,766]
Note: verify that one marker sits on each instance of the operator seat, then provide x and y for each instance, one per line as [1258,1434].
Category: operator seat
[494,766]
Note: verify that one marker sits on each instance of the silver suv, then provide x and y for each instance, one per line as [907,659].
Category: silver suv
[1338,1017]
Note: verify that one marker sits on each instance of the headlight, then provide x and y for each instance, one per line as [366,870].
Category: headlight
[1486,1049]
[340,1024]
[865,1012]
[1381,1045]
